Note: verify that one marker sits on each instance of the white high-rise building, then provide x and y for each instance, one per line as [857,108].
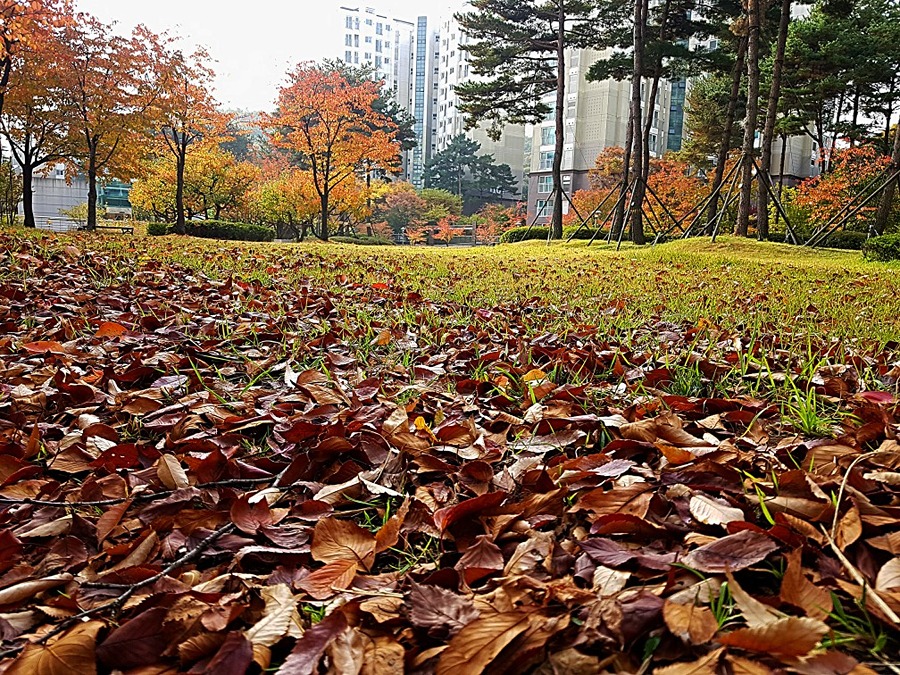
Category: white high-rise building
[370,38]
[454,69]
[403,54]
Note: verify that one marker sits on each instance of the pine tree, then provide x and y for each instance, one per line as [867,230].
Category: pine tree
[518,55]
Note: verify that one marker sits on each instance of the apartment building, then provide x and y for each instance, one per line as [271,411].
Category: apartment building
[403,54]
[453,70]
[424,78]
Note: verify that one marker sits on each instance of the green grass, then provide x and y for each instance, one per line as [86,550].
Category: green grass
[737,285]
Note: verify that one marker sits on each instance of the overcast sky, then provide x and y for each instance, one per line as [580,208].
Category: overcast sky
[253,46]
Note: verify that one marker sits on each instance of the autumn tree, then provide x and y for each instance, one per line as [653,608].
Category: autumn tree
[24,22]
[214,183]
[331,126]
[186,115]
[288,201]
[35,122]
[517,52]
[446,229]
[494,219]
[402,205]
[109,93]
[217,181]
[825,196]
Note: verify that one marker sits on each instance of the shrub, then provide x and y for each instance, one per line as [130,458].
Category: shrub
[362,240]
[523,234]
[847,240]
[220,229]
[584,234]
[217,229]
[884,248]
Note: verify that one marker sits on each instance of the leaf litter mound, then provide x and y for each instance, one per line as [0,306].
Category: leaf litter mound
[228,476]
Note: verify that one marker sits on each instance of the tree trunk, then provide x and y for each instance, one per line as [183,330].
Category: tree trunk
[765,164]
[887,197]
[637,197]
[556,227]
[654,92]
[742,226]
[323,201]
[28,196]
[180,222]
[736,76]
[618,221]
[5,72]
[91,223]
[781,162]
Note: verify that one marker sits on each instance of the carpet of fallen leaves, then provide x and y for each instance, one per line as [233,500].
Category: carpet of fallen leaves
[192,482]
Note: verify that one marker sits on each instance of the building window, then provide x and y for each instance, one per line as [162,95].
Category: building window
[349,22]
[379,29]
[356,41]
[546,161]
[348,40]
[378,62]
[348,56]
[378,45]
[368,22]
[543,208]
[545,184]
[368,39]
[548,135]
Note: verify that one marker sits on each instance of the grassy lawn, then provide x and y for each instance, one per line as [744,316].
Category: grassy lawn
[574,434]
[746,286]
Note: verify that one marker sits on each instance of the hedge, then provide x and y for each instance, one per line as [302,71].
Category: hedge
[218,229]
[884,248]
[847,240]
[523,234]
[362,240]
[540,232]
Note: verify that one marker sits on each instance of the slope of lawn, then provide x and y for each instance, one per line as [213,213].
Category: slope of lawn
[223,457]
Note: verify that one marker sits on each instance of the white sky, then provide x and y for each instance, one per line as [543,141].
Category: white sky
[254,46]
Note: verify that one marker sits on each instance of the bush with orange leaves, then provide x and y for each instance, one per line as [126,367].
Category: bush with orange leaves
[823,197]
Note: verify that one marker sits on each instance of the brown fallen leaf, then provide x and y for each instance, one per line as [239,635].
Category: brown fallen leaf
[73,652]
[733,552]
[171,473]
[341,540]
[790,636]
[478,644]
[691,623]
[708,664]
[799,591]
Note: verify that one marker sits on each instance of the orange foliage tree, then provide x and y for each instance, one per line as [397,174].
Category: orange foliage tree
[677,187]
[494,219]
[417,232]
[852,168]
[186,114]
[106,98]
[286,200]
[447,230]
[34,121]
[23,22]
[331,124]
